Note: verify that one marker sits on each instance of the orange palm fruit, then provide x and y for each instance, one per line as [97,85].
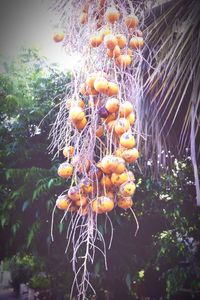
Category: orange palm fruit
[101,84]
[112,15]
[58,37]
[82,201]
[131,21]
[136,42]
[106,181]
[105,204]
[118,179]
[112,105]
[127,140]
[63,202]
[100,131]
[125,202]
[90,79]
[130,155]
[76,114]
[127,189]
[122,125]
[65,170]
[74,193]
[96,40]
[86,186]
[116,51]
[123,60]
[112,89]
[119,166]
[81,124]
[131,118]
[68,151]
[125,109]
[110,41]
[121,40]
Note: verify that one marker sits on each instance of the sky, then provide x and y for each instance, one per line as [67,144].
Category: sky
[30,23]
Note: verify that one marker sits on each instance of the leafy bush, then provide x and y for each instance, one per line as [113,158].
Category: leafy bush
[22,268]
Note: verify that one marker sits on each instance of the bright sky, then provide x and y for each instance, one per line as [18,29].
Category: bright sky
[30,23]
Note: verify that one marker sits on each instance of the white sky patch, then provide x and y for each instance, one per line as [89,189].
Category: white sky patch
[26,23]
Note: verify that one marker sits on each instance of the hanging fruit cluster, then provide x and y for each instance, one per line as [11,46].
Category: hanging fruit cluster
[103,181]
[95,127]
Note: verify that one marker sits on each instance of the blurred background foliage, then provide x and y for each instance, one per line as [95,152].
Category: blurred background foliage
[161,262]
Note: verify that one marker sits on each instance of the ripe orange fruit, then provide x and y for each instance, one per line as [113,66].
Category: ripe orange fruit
[136,42]
[84,18]
[76,114]
[109,53]
[130,155]
[112,105]
[119,166]
[112,90]
[100,131]
[82,201]
[125,109]
[92,91]
[127,189]
[129,52]
[74,193]
[63,202]
[58,37]
[80,164]
[131,118]
[81,124]
[110,41]
[90,80]
[116,51]
[107,164]
[65,170]
[131,21]
[112,15]
[123,60]
[96,207]
[125,202]
[122,125]
[118,179]
[127,140]
[121,40]
[103,204]
[106,181]
[119,152]
[96,40]
[94,173]
[86,186]
[101,84]
[68,151]
[110,117]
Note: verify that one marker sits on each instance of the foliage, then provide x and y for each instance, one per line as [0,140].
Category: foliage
[22,268]
[39,282]
[30,88]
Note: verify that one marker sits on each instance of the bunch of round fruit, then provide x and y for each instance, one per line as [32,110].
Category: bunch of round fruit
[104,181]
[117,45]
